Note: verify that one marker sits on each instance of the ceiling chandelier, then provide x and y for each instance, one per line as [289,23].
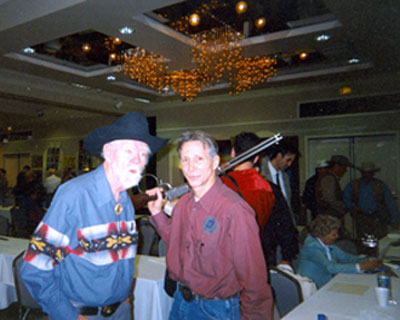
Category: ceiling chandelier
[216,57]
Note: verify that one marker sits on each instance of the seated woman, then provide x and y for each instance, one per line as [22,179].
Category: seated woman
[320,259]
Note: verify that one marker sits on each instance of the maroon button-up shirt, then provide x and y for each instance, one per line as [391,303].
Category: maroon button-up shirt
[214,248]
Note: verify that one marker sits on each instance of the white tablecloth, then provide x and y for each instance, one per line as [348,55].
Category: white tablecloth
[6,212]
[390,251]
[8,250]
[150,300]
[359,303]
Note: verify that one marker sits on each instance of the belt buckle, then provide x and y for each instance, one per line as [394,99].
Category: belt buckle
[187,294]
[108,311]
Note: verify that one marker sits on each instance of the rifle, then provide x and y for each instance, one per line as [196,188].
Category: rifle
[171,193]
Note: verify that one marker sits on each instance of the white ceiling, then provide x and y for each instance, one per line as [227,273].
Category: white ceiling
[366,29]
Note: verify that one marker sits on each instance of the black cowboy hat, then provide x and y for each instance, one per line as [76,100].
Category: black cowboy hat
[131,126]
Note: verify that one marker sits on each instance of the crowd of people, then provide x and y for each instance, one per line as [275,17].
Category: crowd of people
[223,237]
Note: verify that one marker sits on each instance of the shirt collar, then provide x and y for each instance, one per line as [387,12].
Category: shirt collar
[272,169]
[207,200]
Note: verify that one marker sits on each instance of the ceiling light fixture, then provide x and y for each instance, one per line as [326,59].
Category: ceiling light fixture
[142,100]
[80,86]
[354,60]
[241,7]
[260,22]
[323,37]
[86,47]
[345,90]
[217,56]
[194,19]
[111,78]
[118,104]
[29,50]
[303,55]
[126,30]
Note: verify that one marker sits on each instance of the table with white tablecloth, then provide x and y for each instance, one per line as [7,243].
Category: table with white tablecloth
[150,299]
[348,297]
[151,302]
[9,248]
[6,213]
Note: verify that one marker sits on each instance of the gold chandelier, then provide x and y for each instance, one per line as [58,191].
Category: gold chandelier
[217,56]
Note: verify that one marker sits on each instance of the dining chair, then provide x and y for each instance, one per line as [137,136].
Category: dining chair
[287,291]
[3,226]
[147,236]
[25,300]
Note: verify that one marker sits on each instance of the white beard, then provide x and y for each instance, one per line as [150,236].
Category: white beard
[130,180]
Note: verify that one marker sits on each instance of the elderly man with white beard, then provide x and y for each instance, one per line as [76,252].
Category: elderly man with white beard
[80,261]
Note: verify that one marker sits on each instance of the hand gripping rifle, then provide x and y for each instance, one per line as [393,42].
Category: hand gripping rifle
[171,193]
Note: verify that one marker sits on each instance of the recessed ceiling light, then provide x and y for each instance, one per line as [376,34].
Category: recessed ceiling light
[354,60]
[194,19]
[323,37]
[126,30]
[303,55]
[142,100]
[111,78]
[86,47]
[29,50]
[260,22]
[241,7]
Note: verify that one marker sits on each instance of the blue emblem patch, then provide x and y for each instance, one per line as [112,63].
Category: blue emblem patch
[210,225]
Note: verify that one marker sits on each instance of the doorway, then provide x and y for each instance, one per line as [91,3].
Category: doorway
[13,164]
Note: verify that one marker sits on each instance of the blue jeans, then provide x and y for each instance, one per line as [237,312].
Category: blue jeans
[204,309]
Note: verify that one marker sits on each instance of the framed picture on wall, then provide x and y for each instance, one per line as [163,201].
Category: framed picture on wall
[69,162]
[37,161]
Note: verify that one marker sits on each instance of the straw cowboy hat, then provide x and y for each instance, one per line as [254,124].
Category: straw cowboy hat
[369,167]
[340,160]
[322,164]
[131,126]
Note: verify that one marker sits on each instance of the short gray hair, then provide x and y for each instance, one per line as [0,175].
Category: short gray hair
[201,136]
[323,224]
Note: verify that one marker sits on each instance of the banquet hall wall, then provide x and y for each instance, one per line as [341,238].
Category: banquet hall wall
[265,112]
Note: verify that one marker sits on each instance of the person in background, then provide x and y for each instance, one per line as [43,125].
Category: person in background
[79,263]
[327,189]
[213,245]
[308,197]
[246,180]
[22,187]
[51,183]
[279,158]
[280,236]
[68,175]
[273,215]
[371,203]
[321,259]
[3,187]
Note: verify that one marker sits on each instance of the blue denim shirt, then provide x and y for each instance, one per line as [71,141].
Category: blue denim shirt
[82,251]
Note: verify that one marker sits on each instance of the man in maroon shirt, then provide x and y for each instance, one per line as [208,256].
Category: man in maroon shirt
[214,251]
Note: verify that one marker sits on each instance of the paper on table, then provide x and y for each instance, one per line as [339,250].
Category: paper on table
[349,288]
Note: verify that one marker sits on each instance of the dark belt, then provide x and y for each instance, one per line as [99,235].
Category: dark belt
[189,296]
[106,311]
